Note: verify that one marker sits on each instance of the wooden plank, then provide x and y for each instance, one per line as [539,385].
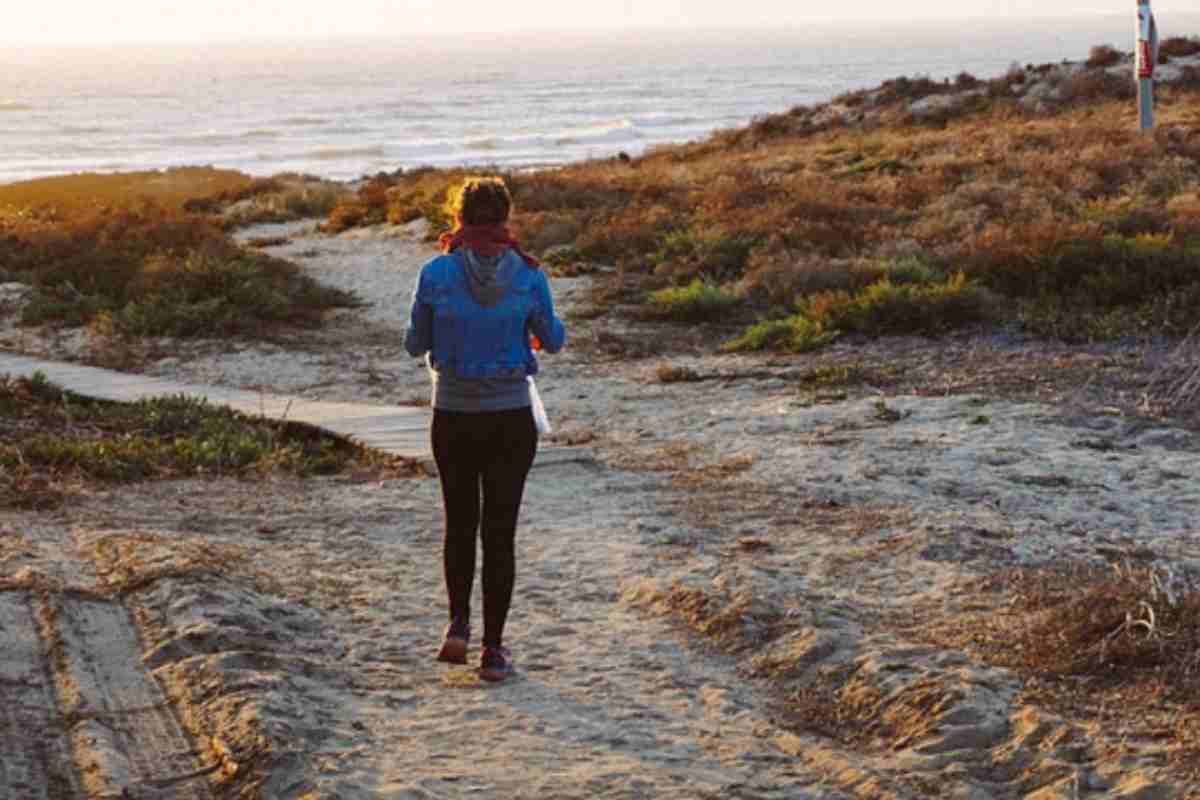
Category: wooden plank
[353,428]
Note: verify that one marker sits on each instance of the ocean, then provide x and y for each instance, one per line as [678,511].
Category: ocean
[342,109]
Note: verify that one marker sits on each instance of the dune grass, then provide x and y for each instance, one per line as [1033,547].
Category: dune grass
[141,255]
[878,220]
[53,442]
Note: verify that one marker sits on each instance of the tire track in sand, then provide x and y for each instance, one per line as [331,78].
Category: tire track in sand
[34,759]
[123,734]
[80,717]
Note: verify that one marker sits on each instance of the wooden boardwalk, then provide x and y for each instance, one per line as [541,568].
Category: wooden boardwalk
[399,430]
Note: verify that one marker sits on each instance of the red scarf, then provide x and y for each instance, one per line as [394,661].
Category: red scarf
[486,240]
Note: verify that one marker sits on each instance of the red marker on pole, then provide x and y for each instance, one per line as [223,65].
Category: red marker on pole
[1145,59]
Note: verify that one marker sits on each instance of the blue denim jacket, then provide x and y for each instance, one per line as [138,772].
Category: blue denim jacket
[463,338]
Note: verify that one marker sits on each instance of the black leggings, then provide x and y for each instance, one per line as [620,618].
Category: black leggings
[492,450]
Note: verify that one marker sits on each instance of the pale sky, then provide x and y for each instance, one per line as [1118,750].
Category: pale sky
[99,22]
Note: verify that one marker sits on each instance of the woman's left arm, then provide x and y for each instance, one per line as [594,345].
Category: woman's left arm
[418,339]
[545,324]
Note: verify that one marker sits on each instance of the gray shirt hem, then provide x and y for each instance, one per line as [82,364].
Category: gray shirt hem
[451,393]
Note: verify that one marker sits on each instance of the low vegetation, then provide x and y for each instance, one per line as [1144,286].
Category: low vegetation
[919,206]
[398,199]
[53,442]
[1027,199]
[1115,644]
[147,254]
[282,198]
[796,334]
[1104,626]
[1178,47]
[64,196]
[697,302]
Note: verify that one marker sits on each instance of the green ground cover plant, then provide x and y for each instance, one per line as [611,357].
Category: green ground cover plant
[699,301]
[1063,219]
[52,440]
[796,334]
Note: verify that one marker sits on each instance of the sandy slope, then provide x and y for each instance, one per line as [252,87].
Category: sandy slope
[290,626]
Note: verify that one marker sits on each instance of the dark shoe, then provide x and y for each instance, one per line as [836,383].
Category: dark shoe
[495,664]
[454,645]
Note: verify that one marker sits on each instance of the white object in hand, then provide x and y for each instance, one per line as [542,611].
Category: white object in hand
[539,411]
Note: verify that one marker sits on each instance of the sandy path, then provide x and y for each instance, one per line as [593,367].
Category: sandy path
[326,661]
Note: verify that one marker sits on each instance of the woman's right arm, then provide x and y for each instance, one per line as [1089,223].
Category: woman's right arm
[418,339]
[546,325]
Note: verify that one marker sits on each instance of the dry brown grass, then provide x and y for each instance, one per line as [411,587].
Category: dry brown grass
[68,195]
[673,373]
[842,705]
[706,475]
[734,623]
[664,457]
[1117,645]
[1179,47]
[1174,388]
[1107,625]
[398,199]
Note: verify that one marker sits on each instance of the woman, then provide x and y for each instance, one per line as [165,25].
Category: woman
[478,311]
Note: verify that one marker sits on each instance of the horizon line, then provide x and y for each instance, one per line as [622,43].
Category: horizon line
[233,39]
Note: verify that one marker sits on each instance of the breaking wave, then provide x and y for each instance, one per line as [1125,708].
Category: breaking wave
[337,153]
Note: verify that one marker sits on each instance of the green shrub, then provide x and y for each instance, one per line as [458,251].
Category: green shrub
[886,308]
[281,201]
[310,202]
[150,270]
[1114,270]
[922,305]
[912,270]
[796,334]
[718,255]
[197,294]
[697,302]
[1173,313]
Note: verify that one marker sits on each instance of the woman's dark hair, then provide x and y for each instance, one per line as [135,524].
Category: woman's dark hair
[480,201]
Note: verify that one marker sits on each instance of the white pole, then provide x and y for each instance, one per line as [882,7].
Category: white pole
[1146,57]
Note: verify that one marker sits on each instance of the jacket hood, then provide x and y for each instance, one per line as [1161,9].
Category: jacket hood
[488,277]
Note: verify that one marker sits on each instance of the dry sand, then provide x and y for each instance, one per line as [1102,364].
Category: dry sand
[221,638]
